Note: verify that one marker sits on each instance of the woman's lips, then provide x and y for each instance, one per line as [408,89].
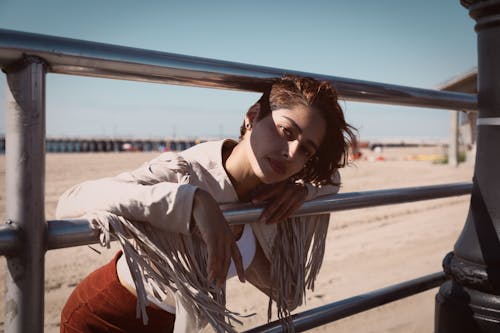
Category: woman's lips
[277,166]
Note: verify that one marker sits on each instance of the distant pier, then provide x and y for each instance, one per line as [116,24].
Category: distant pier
[83,145]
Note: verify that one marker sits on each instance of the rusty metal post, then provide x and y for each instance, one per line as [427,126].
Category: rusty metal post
[470,301]
[25,178]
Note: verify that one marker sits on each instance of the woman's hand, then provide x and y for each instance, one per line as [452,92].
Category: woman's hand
[284,199]
[218,237]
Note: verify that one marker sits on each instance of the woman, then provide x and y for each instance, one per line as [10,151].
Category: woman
[293,140]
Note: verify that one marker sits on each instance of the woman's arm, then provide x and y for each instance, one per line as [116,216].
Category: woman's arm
[218,237]
[158,193]
[286,197]
[153,193]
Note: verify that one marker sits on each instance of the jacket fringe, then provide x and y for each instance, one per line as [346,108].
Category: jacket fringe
[169,261]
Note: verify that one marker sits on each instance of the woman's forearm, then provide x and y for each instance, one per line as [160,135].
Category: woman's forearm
[151,193]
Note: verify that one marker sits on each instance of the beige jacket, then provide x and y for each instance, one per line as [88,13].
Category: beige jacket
[161,193]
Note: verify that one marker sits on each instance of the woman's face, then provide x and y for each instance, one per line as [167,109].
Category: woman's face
[283,141]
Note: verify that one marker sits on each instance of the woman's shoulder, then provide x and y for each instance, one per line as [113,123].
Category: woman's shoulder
[208,153]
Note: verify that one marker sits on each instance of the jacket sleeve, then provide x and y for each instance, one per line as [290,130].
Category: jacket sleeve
[317,191]
[157,193]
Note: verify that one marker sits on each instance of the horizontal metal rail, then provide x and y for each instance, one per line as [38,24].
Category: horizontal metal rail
[248,213]
[78,57]
[334,311]
[67,233]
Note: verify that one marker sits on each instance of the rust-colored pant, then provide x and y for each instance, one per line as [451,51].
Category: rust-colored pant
[101,304]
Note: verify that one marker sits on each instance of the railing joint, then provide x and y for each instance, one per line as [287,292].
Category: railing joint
[24,61]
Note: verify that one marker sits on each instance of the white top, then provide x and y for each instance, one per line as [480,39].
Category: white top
[246,244]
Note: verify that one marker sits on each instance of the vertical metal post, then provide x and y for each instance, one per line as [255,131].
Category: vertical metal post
[25,179]
[453,144]
[470,302]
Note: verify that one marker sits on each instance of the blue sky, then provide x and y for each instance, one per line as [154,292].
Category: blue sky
[412,43]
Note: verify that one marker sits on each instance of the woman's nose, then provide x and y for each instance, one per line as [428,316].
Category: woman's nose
[291,149]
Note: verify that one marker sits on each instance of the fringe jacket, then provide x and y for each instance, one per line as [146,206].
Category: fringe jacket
[149,211]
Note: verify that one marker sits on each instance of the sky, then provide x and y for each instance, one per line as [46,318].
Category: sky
[411,43]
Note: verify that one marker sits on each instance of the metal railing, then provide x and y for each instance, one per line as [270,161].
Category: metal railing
[77,57]
[334,311]
[26,58]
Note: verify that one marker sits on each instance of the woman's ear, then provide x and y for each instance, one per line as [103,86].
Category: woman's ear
[252,115]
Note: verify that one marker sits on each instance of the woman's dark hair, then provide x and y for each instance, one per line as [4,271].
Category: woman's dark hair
[291,91]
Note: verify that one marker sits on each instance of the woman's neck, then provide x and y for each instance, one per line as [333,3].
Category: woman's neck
[240,173]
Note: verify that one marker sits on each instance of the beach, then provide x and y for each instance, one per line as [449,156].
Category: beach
[367,248]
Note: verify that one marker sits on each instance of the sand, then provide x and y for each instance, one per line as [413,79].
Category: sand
[366,249]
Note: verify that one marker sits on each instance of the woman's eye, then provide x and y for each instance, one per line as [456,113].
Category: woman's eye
[286,132]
